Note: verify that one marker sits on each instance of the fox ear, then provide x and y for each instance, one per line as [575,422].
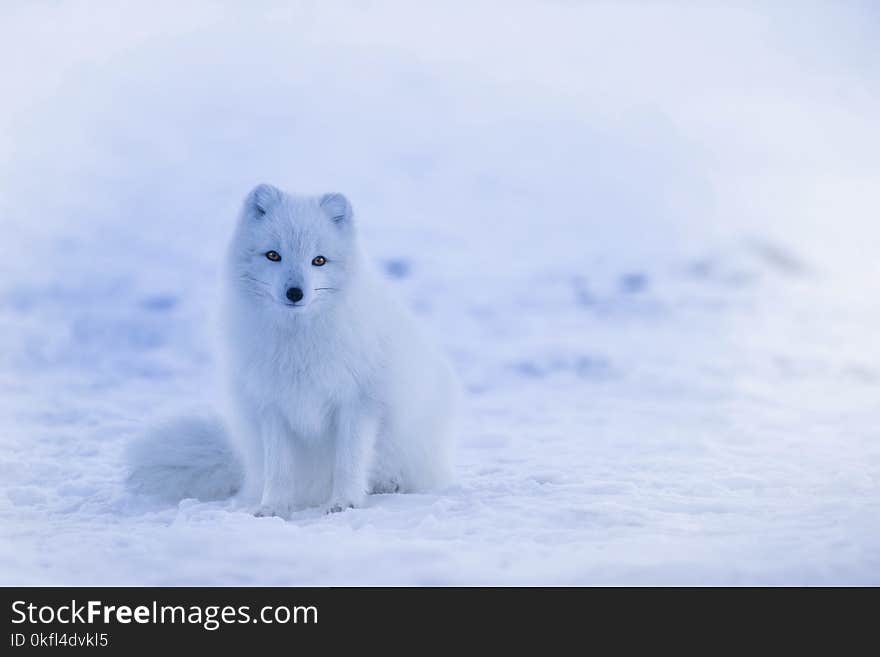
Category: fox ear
[261,199]
[337,207]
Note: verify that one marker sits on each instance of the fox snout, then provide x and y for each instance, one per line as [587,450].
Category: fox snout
[295,294]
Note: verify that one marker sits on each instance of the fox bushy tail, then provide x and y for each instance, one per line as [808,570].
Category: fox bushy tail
[185,457]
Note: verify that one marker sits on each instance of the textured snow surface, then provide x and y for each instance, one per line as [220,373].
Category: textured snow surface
[646,235]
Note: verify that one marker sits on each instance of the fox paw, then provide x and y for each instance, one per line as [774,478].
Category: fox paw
[386,487]
[338,507]
[274,510]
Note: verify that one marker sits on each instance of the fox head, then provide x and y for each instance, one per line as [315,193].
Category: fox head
[294,253]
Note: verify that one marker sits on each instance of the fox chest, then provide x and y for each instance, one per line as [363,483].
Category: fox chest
[309,410]
[307,397]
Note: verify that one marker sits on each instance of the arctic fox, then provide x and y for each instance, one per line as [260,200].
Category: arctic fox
[334,393]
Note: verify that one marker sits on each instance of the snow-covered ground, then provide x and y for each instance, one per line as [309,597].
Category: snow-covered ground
[647,235]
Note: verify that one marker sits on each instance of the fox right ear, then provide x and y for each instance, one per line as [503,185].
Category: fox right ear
[260,200]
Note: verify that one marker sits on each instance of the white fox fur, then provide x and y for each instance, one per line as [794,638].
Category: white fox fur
[333,395]
[187,456]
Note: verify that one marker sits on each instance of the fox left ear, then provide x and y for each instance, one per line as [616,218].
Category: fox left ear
[261,199]
[337,207]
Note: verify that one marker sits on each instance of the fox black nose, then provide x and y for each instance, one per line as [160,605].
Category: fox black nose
[294,294]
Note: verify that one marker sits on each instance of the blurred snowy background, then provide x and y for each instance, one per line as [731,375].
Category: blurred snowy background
[646,233]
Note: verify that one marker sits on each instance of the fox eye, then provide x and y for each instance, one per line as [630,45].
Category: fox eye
[319,261]
[273,256]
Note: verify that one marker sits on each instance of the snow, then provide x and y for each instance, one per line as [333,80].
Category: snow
[645,234]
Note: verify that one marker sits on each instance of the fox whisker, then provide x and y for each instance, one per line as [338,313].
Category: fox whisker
[252,279]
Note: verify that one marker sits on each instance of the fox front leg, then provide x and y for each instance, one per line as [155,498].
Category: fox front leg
[278,470]
[353,458]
